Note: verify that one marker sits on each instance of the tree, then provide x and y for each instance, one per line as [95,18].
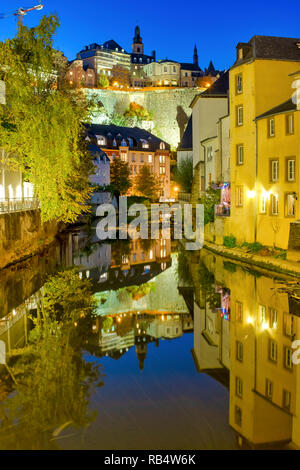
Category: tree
[146,184]
[120,177]
[137,111]
[103,81]
[41,127]
[184,175]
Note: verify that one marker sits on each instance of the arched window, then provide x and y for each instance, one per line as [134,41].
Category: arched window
[114,143]
[162,146]
[130,142]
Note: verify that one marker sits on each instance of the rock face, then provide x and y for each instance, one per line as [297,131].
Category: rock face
[171,108]
[22,234]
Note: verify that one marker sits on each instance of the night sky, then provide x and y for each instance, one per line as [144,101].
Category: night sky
[169,27]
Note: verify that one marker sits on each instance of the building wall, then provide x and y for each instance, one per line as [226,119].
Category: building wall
[212,162]
[266,83]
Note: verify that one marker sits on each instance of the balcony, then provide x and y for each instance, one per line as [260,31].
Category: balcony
[222,210]
[8,206]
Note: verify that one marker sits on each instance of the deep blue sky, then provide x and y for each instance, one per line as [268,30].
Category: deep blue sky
[169,27]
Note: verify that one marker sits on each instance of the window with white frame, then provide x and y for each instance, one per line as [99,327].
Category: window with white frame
[239,196]
[240,116]
[262,313]
[291,169]
[150,158]
[239,84]
[124,157]
[240,154]
[162,159]
[290,203]
[273,350]
[162,170]
[263,203]
[209,153]
[239,351]
[290,124]
[271,127]
[101,140]
[239,387]
[269,389]
[274,204]
[274,170]
[286,399]
[288,352]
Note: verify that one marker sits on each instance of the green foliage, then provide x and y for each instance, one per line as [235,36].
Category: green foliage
[103,81]
[146,184]
[41,126]
[230,267]
[137,111]
[184,175]
[120,177]
[229,241]
[281,255]
[209,200]
[253,247]
[52,378]
[208,287]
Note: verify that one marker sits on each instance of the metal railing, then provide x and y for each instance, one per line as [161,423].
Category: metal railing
[222,211]
[18,205]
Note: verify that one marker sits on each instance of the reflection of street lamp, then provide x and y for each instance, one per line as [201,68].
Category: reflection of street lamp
[116,84]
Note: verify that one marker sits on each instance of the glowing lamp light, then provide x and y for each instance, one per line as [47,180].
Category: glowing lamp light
[264,326]
[250,320]
[251,194]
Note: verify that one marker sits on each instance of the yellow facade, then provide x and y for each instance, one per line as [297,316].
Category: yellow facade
[255,87]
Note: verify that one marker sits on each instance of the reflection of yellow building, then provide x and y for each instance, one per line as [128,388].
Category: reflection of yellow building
[259,80]
[263,404]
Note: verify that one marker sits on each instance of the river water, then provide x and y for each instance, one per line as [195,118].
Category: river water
[149,347]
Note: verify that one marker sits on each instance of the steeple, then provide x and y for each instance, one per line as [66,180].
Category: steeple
[137,46]
[195,60]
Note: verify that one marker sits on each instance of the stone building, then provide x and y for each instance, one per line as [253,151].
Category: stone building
[139,59]
[138,148]
[162,73]
[79,76]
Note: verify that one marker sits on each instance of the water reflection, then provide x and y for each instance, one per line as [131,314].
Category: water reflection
[140,316]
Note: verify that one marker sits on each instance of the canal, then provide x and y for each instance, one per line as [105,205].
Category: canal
[141,345]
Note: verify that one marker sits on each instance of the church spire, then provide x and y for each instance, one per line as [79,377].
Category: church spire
[195,59]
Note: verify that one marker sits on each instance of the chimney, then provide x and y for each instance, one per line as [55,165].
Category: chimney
[154,55]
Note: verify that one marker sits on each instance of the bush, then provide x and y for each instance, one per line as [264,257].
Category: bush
[253,247]
[229,241]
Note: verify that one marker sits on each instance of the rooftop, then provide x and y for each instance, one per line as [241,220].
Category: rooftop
[285,107]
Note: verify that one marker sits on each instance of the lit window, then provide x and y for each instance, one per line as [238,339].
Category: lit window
[124,157]
[162,159]
[209,153]
[162,146]
[262,314]
[150,159]
[288,324]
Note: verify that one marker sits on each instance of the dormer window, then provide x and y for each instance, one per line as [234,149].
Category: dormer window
[101,140]
[114,143]
[240,53]
[145,144]
[130,142]
[123,143]
[162,146]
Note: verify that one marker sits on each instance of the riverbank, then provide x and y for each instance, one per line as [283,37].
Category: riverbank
[22,235]
[266,263]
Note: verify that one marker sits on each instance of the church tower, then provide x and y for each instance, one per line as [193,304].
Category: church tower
[195,59]
[137,46]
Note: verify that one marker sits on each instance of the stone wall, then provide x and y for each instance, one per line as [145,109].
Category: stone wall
[23,234]
[171,108]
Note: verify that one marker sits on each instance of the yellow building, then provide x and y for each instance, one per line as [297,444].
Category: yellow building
[259,80]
